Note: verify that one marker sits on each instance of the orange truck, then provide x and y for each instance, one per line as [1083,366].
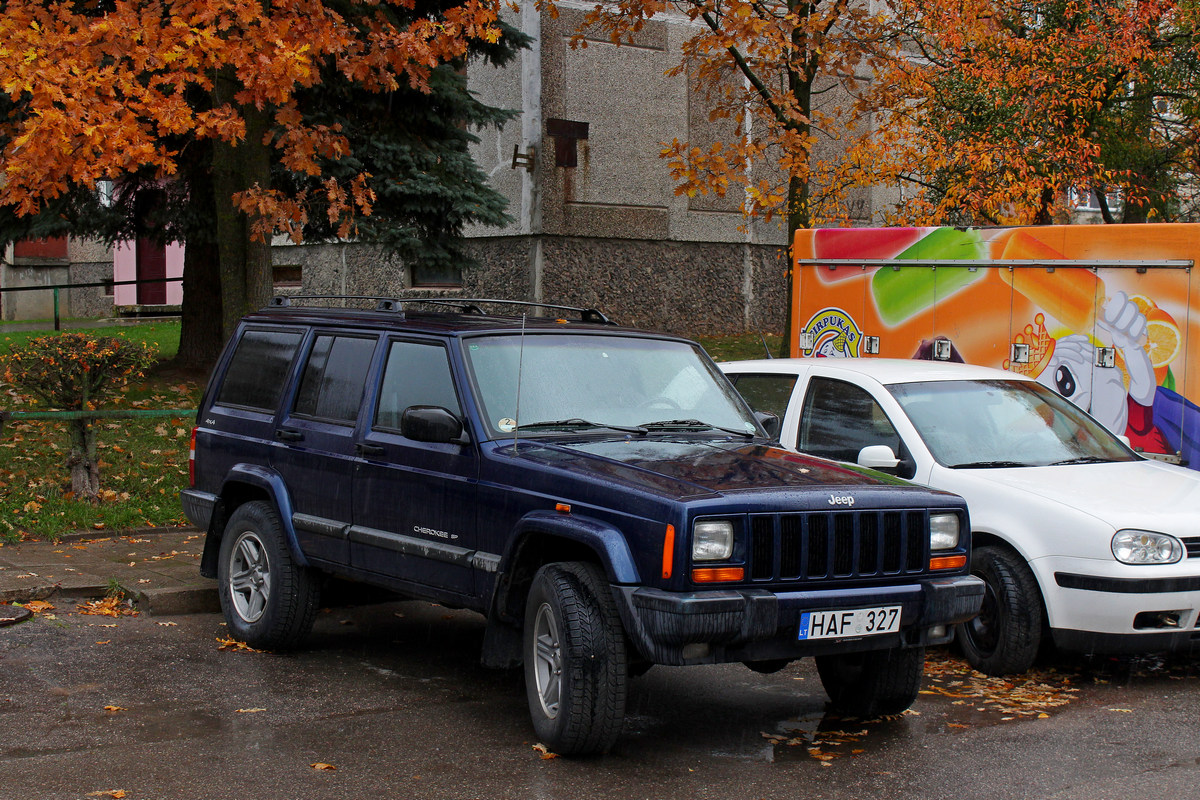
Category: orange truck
[1100,313]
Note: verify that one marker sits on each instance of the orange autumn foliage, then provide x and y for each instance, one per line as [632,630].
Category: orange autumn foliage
[99,88]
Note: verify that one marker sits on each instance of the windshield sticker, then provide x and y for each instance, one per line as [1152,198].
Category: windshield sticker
[508,425]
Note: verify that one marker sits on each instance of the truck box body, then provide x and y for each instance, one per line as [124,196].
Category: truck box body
[1100,313]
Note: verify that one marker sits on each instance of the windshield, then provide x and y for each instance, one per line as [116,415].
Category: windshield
[595,382]
[1002,423]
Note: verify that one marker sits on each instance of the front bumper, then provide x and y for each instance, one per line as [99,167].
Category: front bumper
[719,626]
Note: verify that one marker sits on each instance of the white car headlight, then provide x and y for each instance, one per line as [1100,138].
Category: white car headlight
[1146,547]
[943,531]
[712,541]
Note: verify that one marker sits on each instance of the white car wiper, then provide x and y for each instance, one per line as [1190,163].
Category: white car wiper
[692,425]
[575,423]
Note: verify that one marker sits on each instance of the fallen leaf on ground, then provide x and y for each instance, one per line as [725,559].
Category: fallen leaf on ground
[248,710]
[116,793]
[114,709]
[108,607]
[323,766]
[544,751]
[234,644]
[39,606]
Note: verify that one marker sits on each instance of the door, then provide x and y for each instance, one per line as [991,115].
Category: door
[414,502]
[839,419]
[314,450]
[150,255]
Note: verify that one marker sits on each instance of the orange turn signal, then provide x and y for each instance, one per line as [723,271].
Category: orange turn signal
[668,563]
[717,574]
[562,508]
[948,562]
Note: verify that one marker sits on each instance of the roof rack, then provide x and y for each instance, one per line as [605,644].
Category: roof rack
[462,306]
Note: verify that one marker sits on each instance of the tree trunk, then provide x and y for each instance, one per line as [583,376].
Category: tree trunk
[200,334]
[245,265]
[85,468]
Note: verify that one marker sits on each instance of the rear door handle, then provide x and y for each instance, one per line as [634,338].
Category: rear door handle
[365,449]
[285,435]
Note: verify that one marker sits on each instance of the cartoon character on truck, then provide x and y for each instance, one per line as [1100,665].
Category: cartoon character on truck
[1092,312]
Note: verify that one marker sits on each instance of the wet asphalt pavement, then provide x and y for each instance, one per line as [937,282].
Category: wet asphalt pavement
[392,697]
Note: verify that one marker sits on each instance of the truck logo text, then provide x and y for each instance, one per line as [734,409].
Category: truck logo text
[841,500]
[834,334]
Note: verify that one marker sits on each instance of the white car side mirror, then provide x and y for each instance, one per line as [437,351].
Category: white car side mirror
[877,456]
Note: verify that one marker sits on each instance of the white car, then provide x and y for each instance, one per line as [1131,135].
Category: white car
[1076,535]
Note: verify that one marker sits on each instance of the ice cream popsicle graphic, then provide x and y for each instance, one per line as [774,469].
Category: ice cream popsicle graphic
[907,291]
[1069,294]
[852,243]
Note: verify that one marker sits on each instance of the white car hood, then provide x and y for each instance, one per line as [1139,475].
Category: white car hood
[1131,494]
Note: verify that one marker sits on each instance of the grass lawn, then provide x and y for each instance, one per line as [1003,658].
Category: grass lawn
[143,461]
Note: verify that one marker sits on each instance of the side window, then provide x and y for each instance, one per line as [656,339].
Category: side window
[768,393]
[259,369]
[415,375]
[840,419]
[334,377]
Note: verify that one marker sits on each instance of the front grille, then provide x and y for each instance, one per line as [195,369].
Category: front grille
[837,545]
[1193,546]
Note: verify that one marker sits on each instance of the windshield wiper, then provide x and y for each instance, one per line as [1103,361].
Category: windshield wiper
[692,424]
[575,423]
[989,464]
[1082,460]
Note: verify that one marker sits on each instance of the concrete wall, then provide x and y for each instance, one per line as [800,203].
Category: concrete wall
[85,262]
[610,231]
[684,287]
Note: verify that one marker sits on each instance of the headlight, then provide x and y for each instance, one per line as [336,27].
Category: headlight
[943,531]
[1146,547]
[712,541]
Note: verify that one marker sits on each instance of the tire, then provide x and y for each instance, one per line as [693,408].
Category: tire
[873,683]
[269,601]
[576,667]
[1004,638]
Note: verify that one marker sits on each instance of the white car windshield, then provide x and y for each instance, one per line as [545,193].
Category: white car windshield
[1000,423]
[594,382]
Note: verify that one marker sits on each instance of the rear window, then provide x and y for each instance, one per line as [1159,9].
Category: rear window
[334,377]
[259,368]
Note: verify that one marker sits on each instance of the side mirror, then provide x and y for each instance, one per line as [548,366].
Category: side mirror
[432,424]
[769,423]
[878,456]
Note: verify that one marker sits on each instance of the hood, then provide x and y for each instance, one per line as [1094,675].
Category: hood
[683,468]
[1128,494]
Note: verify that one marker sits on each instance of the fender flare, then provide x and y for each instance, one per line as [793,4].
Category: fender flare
[606,540]
[270,482]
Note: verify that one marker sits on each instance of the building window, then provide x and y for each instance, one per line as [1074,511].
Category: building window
[1087,200]
[433,276]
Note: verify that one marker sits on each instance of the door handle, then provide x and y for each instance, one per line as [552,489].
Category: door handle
[365,449]
[285,435]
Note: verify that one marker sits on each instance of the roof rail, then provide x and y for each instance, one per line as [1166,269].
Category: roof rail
[462,306]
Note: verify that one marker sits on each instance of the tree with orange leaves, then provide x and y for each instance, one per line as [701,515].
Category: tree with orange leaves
[773,70]
[235,109]
[999,111]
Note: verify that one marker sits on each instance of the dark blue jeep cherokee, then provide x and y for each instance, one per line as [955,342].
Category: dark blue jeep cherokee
[601,495]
